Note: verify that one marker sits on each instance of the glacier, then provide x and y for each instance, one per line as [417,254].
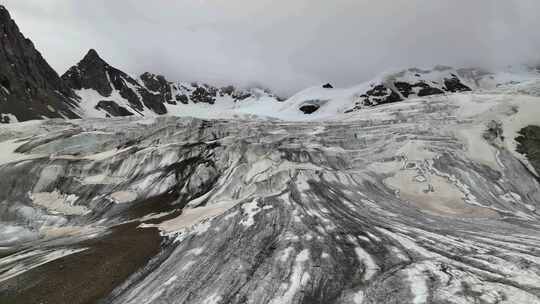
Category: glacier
[432,199]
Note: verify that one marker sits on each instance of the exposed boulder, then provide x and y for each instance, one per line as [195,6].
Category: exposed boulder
[328,86]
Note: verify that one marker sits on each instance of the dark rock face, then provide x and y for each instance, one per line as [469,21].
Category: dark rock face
[529,145]
[427,91]
[113,108]
[309,108]
[241,95]
[182,98]
[30,88]
[380,94]
[153,101]
[379,91]
[406,89]
[158,84]
[454,85]
[236,94]
[203,95]
[92,72]
[328,86]
[154,82]
[132,98]
[400,86]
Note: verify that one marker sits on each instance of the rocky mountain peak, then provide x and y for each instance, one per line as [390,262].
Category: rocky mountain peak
[92,53]
[92,59]
[30,88]
[4,14]
[92,72]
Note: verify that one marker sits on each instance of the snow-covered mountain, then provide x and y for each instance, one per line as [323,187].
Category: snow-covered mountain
[95,89]
[320,102]
[31,89]
[105,91]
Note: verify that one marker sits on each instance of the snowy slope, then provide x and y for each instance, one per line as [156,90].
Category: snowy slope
[205,101]
[393,87]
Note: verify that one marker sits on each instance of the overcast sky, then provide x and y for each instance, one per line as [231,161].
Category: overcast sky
[285,45]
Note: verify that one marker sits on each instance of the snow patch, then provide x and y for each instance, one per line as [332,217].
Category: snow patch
[284,255]
[122,197]
[419,286]
[370,267]
[250,209]
[358,297]
[213,299]
[192,216]
[8,154]
[297,279]
[58,203]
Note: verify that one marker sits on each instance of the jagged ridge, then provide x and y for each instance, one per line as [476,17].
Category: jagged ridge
[29,87]
[147,95]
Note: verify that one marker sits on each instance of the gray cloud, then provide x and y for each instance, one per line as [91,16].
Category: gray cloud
[284,44]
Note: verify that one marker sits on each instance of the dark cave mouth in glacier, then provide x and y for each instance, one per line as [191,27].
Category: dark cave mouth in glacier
[309,109]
